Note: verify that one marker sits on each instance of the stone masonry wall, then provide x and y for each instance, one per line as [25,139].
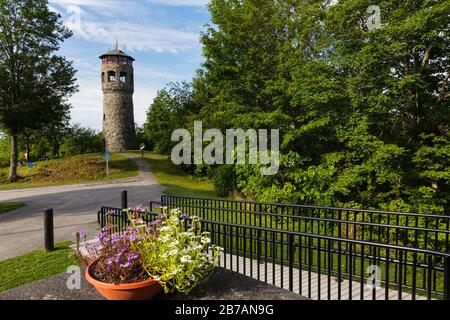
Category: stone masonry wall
[118,123]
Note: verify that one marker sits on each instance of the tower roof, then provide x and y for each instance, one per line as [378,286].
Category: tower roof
[116,52]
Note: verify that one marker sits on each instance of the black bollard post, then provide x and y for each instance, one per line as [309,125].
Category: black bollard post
[124,201]
[48,230]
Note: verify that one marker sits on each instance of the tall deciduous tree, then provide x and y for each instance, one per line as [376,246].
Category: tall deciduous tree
[35,82]
[363,109]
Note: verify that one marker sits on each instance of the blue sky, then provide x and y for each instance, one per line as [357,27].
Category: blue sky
[162,35]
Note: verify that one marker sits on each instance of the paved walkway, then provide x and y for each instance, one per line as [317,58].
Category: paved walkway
[311,285]
[75,207]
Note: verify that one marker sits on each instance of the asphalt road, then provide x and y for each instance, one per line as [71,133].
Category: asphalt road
[75,207]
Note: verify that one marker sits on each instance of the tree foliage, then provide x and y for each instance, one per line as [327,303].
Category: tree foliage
[170,110]
[363,113]
[35,82]
[80,140]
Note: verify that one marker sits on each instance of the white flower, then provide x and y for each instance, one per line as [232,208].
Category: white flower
[175,271]
[173,252]
[194,247]
[164,238]
[165,228]
[174,244]
[186,259]
[205,240]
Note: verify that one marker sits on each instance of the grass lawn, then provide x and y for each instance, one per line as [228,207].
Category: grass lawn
[177,181]
[34,266]
[8,206]
[83,168]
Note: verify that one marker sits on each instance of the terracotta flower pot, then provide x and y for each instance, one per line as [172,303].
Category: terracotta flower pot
[144,290]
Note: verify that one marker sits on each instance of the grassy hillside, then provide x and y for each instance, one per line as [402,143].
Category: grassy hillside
[83,168]
[177,181]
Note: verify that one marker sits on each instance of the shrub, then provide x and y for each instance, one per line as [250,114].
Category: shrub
[81,141]
[224,180]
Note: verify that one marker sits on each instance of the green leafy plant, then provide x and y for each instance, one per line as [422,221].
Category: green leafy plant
[224,180]
[178,254]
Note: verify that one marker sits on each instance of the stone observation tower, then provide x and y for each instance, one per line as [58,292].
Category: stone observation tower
[118,88]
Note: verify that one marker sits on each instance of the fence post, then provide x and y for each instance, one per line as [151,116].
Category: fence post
[203,209]
[291,262]
[48,230]
[124,199]
[447,278]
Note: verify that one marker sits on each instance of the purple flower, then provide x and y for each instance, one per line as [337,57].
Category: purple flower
[126,265]
[133,256]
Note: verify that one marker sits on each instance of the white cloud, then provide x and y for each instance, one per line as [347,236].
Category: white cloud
[180,2]
[137,37]
[110,3]
[139,32]
[91,3]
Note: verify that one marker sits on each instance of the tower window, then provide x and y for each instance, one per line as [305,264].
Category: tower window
[123,77]
[104,117]
[103,77]
[111,76]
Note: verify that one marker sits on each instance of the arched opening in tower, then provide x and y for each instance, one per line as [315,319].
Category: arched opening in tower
[123,77]
[111,76]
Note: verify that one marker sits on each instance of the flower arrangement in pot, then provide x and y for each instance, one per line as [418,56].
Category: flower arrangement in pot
[170,253]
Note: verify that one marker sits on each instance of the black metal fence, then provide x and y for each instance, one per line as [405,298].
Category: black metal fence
[322,252]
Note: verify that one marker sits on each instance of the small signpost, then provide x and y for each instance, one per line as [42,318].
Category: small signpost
[107,156]
[142,147]
[30,165]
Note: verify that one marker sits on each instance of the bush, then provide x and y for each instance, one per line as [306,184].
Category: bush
[224,180]
[81,141]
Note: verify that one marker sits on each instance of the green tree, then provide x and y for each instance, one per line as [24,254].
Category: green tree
[397,80]
[80,140]
[241,50]
[45,141]
[35,82]
[172,108]
[364,113]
